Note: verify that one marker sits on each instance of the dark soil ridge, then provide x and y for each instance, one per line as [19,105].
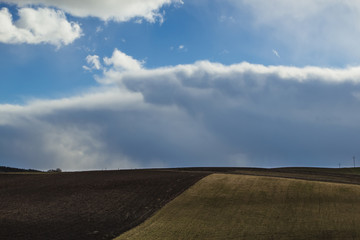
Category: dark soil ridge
[85,205]
[13,170]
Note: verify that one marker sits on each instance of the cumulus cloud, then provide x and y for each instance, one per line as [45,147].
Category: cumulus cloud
[36,26]
[121,10]
[122,62]
[94,63]
[199,114]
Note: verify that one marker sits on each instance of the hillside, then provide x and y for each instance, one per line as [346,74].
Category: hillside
[84,205]
[104,204]
[227,206]
[11,169]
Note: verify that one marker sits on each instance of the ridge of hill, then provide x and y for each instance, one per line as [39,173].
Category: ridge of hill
[12,169]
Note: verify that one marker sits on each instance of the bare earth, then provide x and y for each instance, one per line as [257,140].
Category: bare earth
[84,205]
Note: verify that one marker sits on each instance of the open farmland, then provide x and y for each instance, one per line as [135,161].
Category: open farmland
[228,206]
[84,205]
[336,175]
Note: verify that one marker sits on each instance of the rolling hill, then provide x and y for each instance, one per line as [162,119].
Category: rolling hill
[12,170]
[229,206]
[187,203]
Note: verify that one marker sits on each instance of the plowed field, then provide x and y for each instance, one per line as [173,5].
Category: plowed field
[84,205]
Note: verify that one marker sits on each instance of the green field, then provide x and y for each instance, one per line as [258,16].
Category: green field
[227,206]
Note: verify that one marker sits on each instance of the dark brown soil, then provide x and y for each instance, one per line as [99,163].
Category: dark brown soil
[11,169]
[85,205]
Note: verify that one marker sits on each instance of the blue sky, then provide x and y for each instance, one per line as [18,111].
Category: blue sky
[207,31]
[169,83]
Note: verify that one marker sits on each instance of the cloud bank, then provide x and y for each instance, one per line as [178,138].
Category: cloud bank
[36,26]
[201,114]
[120,10]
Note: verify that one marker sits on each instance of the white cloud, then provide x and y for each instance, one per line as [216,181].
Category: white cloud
[94,62]
[120,10]
[45,25]
[214,72]
[121,61]
[275,53]
[36,26]
[182,48]
[197,114]
[316,31]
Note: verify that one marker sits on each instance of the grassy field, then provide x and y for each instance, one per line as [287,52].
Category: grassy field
[337,175]
[227,206]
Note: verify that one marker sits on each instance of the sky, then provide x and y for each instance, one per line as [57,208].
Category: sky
[87,84]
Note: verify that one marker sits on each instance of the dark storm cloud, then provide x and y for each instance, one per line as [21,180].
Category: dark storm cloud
[192,115]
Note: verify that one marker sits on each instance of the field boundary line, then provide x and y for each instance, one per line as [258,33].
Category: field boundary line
[293,177]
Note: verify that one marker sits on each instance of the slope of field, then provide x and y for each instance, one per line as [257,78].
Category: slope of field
[227,206]
[337,175]
[84,205]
